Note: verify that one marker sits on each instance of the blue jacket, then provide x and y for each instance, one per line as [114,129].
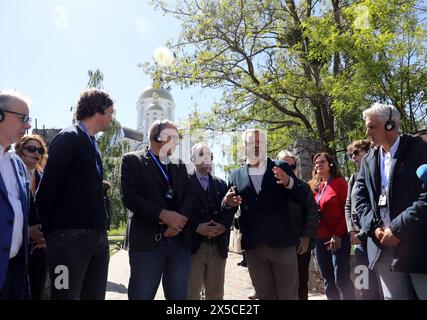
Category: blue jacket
[6,227]
[406,200]
[265,217]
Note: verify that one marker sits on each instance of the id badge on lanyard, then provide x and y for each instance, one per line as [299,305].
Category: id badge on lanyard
[382,201]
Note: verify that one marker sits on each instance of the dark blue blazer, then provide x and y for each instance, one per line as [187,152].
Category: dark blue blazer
[200,213]
[407,203]
[265,217]
[143,191]
[6,227]
[70,194]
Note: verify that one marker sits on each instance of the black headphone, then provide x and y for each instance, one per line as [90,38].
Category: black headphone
[159,131]
[390,124]
[1,115]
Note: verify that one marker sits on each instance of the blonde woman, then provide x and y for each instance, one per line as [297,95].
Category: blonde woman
[33,152]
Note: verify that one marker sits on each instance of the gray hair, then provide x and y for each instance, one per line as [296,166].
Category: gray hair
[154,129]
[382,112]
[198,146]
[285,153]
[246,132]
[7,95]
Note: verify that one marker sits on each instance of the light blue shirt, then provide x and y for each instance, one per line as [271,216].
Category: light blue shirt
[385,160]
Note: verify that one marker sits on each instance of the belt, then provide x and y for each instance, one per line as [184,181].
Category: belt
[210,240]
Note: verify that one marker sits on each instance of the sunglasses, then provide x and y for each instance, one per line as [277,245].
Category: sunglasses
[355,153]
[32,149]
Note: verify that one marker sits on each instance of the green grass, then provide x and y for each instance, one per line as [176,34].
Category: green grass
[120,231]
[115,243]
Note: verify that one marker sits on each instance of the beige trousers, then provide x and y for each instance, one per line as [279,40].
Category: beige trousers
[274,272]
[207,271]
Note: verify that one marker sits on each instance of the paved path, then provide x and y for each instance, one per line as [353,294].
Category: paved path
[237,286]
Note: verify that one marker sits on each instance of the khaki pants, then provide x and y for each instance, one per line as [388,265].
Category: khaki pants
[207,270]
[274,272]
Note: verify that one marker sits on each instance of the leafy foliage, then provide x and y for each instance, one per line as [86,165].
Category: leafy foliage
[299,68]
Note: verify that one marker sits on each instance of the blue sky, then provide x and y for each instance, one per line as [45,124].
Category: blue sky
[49,45]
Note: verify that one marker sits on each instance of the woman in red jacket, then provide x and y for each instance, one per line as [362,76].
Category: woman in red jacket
[332,244]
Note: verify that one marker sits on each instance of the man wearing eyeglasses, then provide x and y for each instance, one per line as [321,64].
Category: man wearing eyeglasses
[157,192]
[70,202]
[14,199]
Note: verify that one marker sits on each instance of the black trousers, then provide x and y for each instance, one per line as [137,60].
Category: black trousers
[303,265]
[78,264]
[37,270]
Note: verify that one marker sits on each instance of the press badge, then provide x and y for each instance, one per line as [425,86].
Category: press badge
[382,201]
[170,192]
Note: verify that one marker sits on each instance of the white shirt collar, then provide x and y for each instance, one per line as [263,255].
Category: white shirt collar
[393,148]
[4,151]
[260,170]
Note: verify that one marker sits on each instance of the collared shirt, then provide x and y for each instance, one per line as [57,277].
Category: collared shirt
[8,174]
[385,158]
[204,180]
[257,173]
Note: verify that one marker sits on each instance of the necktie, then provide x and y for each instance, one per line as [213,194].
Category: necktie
[204,181]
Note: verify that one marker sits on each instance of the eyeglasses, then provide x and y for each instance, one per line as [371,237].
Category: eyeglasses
[33,149]
[24,117]
[355,153]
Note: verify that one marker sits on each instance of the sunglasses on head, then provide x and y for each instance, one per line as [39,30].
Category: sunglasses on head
[32,149]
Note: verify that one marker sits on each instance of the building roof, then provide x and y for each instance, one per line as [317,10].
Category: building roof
[133,134]
[155,107]
[47,134]
[161,93]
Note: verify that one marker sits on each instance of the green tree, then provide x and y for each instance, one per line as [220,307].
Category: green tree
[111,149]
[299,68]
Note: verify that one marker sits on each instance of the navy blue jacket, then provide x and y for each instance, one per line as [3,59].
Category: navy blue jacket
[70,194]
[407,203]
[6,227]
[265,217]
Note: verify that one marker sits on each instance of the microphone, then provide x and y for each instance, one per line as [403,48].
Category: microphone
[422,173]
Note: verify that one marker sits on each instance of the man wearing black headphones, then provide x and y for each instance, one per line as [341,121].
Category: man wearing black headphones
[156,189]
[14,199]
[70,202]
[392,204]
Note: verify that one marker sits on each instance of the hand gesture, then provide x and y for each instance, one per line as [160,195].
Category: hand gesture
[389,239]
[353,238]
[379,233]
[210,229]
[171,232]
[37,236]
[281,176]
[303,245]
[334,244]
[231,198]
[173,219]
